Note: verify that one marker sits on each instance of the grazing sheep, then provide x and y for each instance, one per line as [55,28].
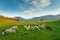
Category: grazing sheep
[8,31]
[48,27]
[14,27]
[37,27]
[27,27]
[32,27]
[42,26]
[11,30]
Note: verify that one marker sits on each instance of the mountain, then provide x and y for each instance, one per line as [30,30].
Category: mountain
[7,18]
[20,19]
[46,17]
[58,16]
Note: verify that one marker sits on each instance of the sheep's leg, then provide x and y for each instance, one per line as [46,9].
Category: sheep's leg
[33,28]
[3,33]
[14,31]
[38,28]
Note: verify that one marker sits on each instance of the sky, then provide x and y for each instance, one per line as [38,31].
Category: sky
[29,8]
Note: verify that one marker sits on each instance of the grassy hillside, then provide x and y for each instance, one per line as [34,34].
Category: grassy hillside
[22,34]
[5,21]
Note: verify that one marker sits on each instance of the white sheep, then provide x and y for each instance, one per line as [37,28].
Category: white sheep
[32,27]
[14,27]
[8,31]
[42,26]
[37,27]
[27,27]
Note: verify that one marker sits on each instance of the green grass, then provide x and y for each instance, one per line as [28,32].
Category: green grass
[43,34]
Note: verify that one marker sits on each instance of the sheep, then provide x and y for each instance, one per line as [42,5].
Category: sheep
[42,26]
[48,27]
[8,31]
[27,27]
[14,27]
[32,27]
[37,27]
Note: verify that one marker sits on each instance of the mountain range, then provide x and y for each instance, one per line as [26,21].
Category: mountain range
[46,17]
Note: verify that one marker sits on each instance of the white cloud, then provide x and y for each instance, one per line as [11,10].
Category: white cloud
[37,6]
[35,2]
[45,3]
[26,1]
[30,12]
[27,16]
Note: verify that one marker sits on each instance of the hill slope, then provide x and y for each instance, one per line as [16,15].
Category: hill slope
[5,21]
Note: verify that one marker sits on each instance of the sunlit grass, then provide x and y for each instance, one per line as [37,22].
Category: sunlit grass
[22,34]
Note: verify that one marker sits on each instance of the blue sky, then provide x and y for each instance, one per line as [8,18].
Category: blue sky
[29,8]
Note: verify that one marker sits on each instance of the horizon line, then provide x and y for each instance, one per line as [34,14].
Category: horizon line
[28,18]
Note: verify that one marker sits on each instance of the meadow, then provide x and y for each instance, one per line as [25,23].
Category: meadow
[22,34]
